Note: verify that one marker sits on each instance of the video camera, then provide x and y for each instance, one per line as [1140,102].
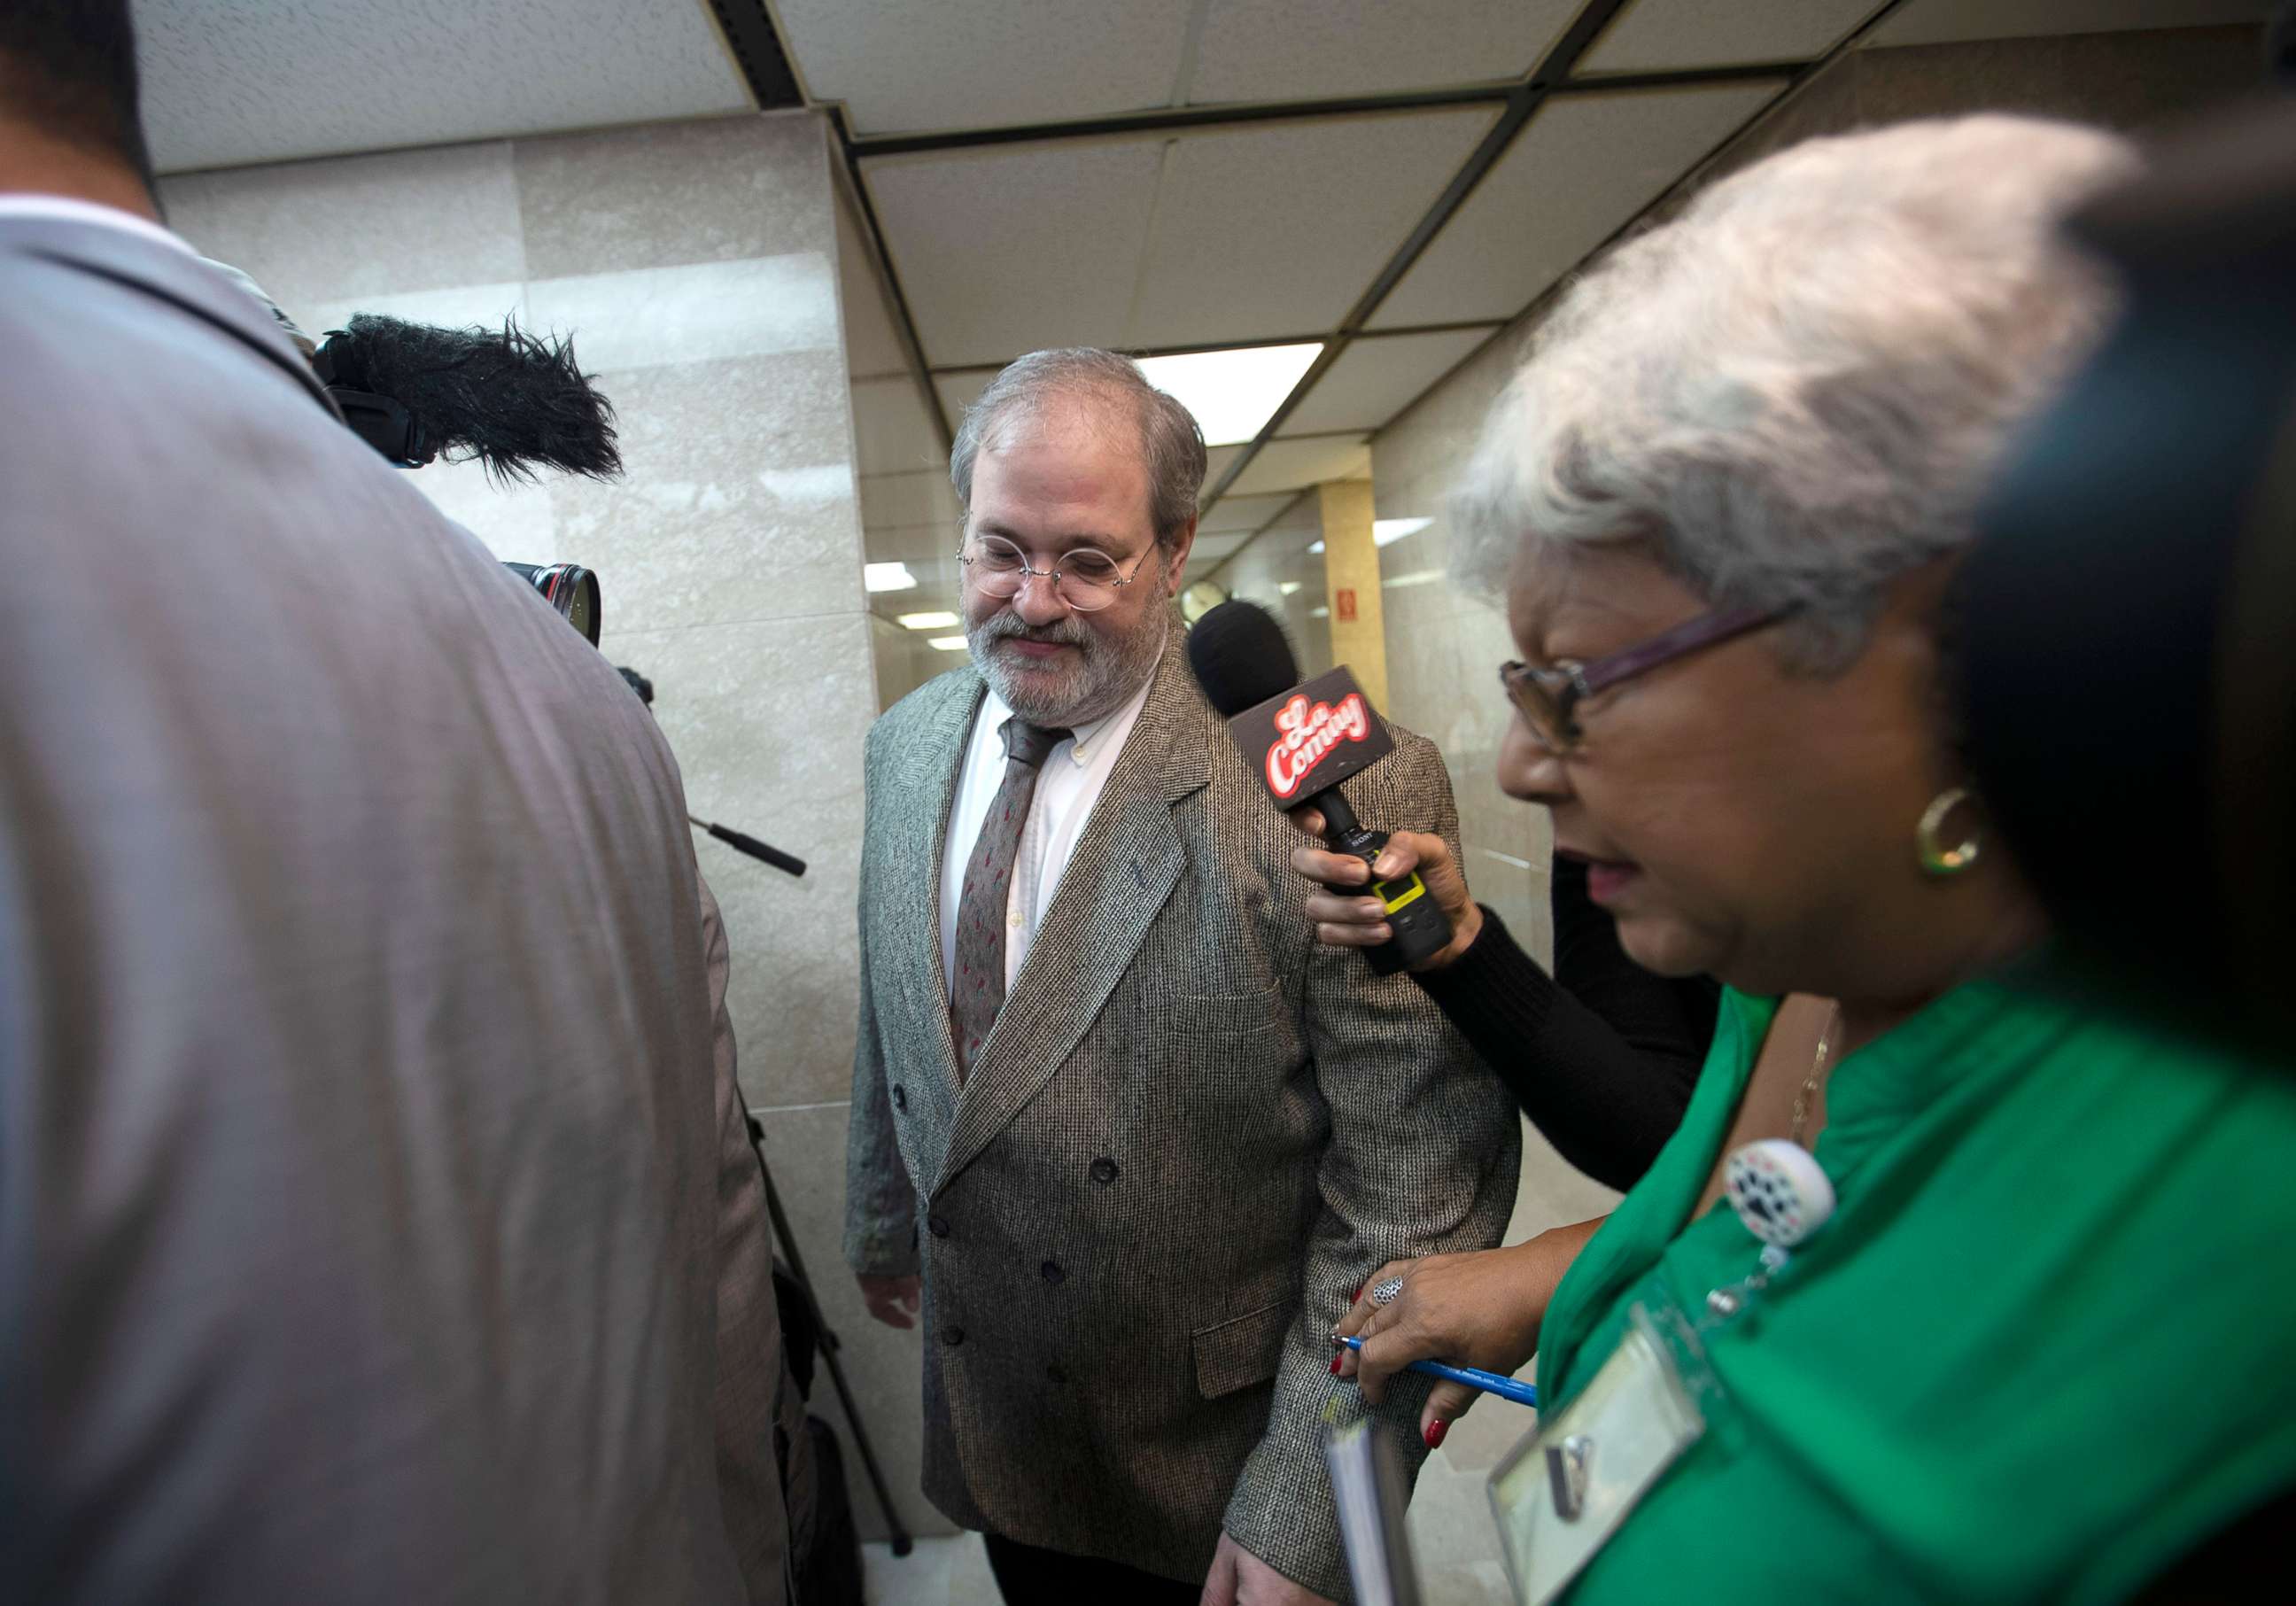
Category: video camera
[508,398]
[505,397]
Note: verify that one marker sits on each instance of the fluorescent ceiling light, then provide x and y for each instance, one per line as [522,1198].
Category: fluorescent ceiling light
[1287,587]
[928,621]
[886,577]
[1425,577]
[1232,393]
[948,644]
[1318,546]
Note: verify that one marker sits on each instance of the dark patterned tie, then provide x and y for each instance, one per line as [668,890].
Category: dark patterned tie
[976,991]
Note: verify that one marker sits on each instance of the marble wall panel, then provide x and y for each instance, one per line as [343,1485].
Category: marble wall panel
[768,719]
[722,190]
[738,501]
[699,312]
[513,521]
[322,231]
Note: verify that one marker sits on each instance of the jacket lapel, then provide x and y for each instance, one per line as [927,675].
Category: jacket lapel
[919,794]
[1128,861]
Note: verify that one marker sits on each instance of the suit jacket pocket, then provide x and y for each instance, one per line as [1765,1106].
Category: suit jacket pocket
[1242,1351]
[1229,1014]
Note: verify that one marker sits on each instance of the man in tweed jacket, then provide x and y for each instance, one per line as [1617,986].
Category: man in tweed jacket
[1140,1179]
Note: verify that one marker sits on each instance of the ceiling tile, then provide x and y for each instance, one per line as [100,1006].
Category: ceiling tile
[891,501]
[1586,166]
[1296,50]
[1277,230]
[1242,514]
[1944,21]
[1011,249]
[984,63]
[960,389]
[1283,465]
[1211,549]
[871,345]
[893,431]
[1377,377]
[225,85]
[1657,35]
[1216,461]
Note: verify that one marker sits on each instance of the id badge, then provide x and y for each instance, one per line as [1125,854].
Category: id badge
[1562,1493]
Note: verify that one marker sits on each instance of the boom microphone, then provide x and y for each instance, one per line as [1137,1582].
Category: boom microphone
[1302,741]
[742,841]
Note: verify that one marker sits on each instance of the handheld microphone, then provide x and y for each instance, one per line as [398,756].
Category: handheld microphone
[1302,741]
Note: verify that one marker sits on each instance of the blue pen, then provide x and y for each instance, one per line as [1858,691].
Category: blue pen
[1474,1376]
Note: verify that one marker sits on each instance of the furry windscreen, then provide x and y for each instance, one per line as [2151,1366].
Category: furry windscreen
[512,399]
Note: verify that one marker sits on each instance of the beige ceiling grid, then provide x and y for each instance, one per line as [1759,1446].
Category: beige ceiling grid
[1392,180]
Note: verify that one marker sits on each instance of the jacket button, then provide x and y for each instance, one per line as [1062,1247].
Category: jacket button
[1054,1275]
[951,1335]
[1103,1170]
[937,1225]
[900,1098]
[1056,1372]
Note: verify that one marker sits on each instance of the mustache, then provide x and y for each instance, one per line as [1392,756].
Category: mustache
[1010,627]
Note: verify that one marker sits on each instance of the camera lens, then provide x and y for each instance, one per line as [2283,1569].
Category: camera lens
[571,589]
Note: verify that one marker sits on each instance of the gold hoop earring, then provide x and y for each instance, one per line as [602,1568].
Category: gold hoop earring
[1939,859]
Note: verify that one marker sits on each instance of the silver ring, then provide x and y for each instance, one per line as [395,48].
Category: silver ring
[1387,1293]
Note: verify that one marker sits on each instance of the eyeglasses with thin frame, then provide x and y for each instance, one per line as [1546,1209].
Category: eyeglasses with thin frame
[1085,578]
[1548,697]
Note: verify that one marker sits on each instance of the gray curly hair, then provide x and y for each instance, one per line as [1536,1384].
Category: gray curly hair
[1793,391]
[1171,445]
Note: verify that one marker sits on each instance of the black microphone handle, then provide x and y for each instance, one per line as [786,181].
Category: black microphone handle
[741,842]
[1419,924]
[1338,819]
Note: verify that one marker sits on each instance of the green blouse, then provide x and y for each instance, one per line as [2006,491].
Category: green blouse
[2045,1346]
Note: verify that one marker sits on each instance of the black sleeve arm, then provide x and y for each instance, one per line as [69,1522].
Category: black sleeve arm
[1603,1068]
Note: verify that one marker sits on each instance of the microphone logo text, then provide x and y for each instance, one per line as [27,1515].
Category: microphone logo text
[1307,736]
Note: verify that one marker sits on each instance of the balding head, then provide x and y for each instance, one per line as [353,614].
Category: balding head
[1083,388]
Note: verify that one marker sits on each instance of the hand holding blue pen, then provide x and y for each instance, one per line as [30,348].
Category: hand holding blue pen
[1474,1376]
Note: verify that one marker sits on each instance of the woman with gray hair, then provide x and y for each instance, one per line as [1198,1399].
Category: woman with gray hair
[1989,1318]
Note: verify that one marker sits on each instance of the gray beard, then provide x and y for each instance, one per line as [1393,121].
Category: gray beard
[1090,686]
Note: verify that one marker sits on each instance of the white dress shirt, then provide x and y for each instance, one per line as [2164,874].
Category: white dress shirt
[66,208]
[1067,787]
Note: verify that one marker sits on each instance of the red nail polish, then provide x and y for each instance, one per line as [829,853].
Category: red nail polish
[1335,1365]
[1435,1431]
[1357,1295]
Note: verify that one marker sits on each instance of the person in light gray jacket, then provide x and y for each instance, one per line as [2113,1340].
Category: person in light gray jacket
[377,1217]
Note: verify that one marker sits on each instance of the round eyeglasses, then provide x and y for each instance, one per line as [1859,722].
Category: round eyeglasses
[1087,579]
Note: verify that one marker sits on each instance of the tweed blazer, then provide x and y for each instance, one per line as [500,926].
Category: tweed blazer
[1192,1133]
